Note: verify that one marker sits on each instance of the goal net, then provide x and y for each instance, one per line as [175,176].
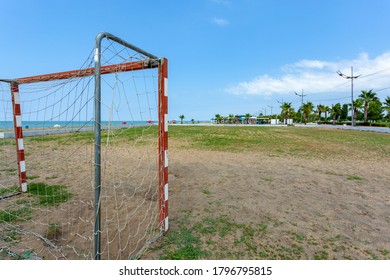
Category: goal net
[83,171]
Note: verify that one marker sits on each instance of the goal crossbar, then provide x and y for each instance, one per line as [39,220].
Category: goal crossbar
[107,69]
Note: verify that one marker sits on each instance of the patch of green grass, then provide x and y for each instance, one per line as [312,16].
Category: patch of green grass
[321,255]
[372,255]
[9,190]
[385,252]
[184,245]
[206,191]
[335,238]
[142,133]
[279,141]
[18,215]
[333,173]
[299,237]
[354,178]
[49,195]
[11,235]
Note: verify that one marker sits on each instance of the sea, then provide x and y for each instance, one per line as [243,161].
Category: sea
[9,125]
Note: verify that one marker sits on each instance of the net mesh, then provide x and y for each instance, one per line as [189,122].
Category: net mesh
[55,218]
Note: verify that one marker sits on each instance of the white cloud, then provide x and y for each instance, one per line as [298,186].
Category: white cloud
[316,76]
[220,21]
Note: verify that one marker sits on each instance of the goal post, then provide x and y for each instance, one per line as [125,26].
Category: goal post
[143,61]
[18,130]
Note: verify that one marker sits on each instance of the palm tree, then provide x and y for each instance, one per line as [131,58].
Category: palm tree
[218,118]
[387,105]
[336,112]
[357,104]
[307,109]
[286,110]
[181,118]
[320,109]
[326,110]
[367,97]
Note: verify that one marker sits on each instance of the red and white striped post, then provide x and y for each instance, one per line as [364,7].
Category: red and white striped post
[163,143]
[19,136]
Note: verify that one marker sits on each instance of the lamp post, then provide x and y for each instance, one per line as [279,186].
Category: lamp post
[352,77]
[301,95]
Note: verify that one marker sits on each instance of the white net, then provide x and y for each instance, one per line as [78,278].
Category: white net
[55,218]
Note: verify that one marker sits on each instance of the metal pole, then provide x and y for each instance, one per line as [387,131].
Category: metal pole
[97,131]
[97,148]
[350,77]
[301,104]
[301,95]
[352,114]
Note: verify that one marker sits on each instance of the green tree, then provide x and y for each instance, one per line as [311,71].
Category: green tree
[335,111]
[357,104]
[375,112]
[320,109]
[387,106]
[286,110]
[181,118]
[326,111]
[367,97]
[344,112]
[307,108]
[218,118]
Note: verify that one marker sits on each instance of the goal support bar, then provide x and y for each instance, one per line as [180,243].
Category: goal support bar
[122,67]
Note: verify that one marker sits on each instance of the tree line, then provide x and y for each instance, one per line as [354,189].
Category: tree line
[367,109]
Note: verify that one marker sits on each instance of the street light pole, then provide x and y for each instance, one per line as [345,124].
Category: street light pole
[352,77]
[301,95]
[271,109]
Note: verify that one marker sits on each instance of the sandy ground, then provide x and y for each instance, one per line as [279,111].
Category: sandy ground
[340,206]
[129,211]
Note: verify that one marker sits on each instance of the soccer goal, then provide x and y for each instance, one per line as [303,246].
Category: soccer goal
[84,165]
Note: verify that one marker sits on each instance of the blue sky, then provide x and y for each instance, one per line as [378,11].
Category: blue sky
[225,56]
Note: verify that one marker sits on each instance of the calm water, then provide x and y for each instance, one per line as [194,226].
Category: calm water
[8,125]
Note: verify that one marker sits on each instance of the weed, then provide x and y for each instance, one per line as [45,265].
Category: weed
[333,173]
[11,236]
[299,237]
[53,231]
[354,178]
[384,252]
[372,255]
[263,228]
[335,238]
[206,191]
[322,255]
